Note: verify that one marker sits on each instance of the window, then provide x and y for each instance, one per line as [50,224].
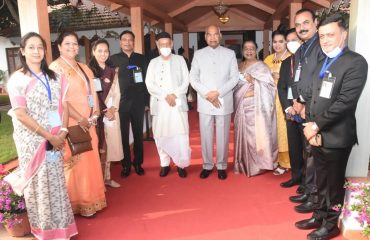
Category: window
[13,59]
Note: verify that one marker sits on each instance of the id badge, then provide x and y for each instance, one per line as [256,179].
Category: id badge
[297,73]
[327,87]
[290,93]
[54,119]
[97,84]
[138,76]
[53,156]
[90,101]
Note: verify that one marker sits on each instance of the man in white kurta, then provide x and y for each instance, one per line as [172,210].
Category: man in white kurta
[167,82]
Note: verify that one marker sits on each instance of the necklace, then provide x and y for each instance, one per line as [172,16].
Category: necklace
[278,61]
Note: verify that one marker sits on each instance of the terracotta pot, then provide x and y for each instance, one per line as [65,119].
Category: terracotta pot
[21,229]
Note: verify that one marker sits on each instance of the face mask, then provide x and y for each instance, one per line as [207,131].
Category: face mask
[293,46]
[165,52]
[333,53]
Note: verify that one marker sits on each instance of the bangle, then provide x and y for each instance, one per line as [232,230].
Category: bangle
[63,129]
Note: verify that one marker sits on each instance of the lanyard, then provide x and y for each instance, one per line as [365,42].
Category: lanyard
[305,52]
[327,65]
[78,73]
[46,85]
[292,67]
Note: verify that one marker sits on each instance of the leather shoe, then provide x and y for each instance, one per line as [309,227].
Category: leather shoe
[323,233]
[299,199]
[125,172]
[205,173]
[308,223]
[306,207]
[222,175]
[139,170]
[300,189]
[182,172]
[289,183]
[164,171]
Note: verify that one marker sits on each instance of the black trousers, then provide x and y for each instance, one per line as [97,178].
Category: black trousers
[330,166]
[309,170]
[295,144]
[136,117]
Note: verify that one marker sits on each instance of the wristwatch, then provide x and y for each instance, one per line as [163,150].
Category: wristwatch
[314,127]
[64,130]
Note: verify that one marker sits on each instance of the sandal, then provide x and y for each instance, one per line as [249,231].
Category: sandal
[279,171]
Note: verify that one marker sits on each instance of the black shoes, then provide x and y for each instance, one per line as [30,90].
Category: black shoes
[164,171]
[139,170]
[205,173]
[323,233]
[222,175]
[125,172]
[299,199]
[300,189]
[306,207]
[289,183]
[311,223]
[182,172]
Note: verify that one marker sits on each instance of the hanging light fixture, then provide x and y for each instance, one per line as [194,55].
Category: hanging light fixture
[220,9]
[224,19]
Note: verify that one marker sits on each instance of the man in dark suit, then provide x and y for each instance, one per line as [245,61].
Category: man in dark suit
[293,123]
[338,82]
[134,100]
[306,59]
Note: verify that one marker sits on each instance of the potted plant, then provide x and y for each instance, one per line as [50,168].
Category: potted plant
[359,207]
[13,213]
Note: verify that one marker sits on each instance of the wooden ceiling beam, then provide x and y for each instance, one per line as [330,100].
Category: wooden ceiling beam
[247,16]
[321,3]
[279,11]
[199,3]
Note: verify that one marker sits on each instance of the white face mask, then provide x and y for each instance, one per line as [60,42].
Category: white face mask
[165,52]
[333,53]
[293,46]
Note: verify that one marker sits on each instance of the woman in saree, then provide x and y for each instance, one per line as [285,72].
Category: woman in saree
[255,117]
[40,118]
[274,62]
[108,124]
[83,171]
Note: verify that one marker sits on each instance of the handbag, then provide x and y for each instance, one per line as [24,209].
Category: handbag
[78,140]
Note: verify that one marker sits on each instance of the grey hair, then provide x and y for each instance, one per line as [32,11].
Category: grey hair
[218,28]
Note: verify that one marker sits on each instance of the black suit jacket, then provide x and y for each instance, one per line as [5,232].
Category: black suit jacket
[133,95]
[308,63]
[335,117]
[286,80]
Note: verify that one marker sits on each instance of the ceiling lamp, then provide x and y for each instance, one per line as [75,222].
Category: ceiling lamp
[224,19]
[220,9]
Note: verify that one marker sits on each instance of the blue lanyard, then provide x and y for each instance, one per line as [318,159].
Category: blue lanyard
[308,47]
[46,85]
[327,65]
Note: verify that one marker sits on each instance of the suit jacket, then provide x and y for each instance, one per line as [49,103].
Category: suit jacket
[308,63]
[214,69]
[134,96]
[159,88]
[286,80]
[335,117]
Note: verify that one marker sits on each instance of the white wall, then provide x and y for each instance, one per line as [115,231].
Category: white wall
[5,43]
[359,35]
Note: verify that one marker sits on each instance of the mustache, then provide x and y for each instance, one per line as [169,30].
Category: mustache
[303,31]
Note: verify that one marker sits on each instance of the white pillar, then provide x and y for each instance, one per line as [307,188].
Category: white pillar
[34,17]
[359,35]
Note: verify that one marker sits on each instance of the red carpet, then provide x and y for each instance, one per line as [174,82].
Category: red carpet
[150,207]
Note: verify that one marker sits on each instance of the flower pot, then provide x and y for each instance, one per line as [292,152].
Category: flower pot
[21,229]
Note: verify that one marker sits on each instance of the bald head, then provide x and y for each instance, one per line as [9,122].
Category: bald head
[213,36]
